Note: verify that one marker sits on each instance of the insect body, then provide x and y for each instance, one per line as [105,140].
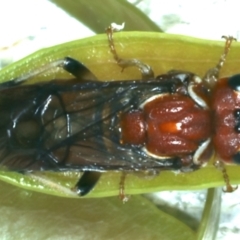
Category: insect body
[154,124]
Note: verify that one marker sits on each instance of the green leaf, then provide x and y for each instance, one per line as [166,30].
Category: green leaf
[161,51]
[30,215]
[211,214]
[98,14]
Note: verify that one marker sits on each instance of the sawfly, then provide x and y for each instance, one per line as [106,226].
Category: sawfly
[176,122]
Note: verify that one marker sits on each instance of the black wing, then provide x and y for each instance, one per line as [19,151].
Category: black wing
[67,125]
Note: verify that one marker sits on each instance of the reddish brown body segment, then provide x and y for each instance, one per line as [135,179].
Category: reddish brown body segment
[171,124]
[224,101]
[133,128]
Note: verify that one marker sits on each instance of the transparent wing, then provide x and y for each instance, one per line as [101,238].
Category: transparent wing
[63,125]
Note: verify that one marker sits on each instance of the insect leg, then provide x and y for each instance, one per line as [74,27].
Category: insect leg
[122,195]
[86,183]
[77,69]
[211,76]
[146,70]
[71,65]
[221,166]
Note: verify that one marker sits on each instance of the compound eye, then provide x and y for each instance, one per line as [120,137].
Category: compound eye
[236,158]
[234,82]
[236,115]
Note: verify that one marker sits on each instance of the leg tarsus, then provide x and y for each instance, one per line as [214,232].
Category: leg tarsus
[221,166]
[124,198]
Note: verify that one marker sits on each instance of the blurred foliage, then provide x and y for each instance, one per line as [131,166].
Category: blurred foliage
[39,216]
[98,14]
